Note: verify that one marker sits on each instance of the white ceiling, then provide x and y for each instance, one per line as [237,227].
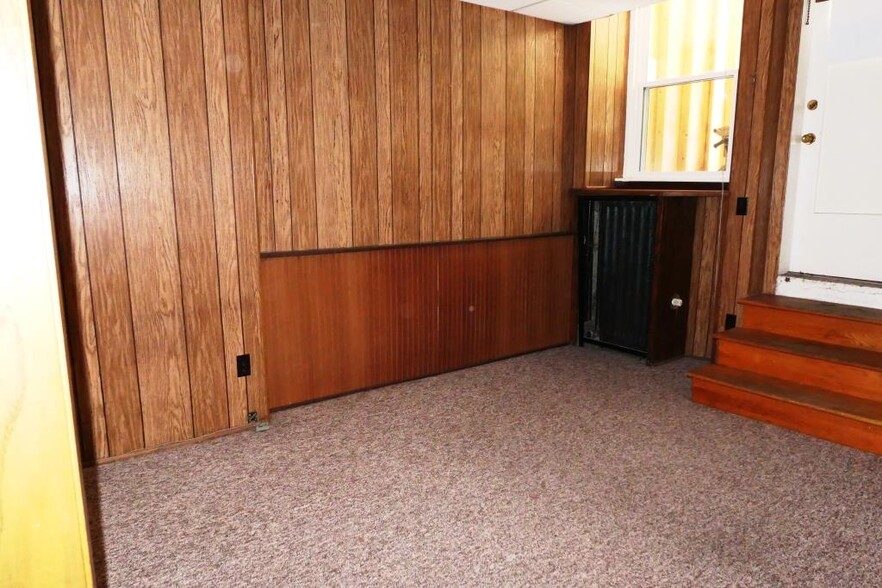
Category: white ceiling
[565,11]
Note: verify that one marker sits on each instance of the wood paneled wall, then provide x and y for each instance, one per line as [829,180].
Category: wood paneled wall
[187,136]
[601,86]
[733,256]
[751,245]
[348,320]
[152,118]
[403,121]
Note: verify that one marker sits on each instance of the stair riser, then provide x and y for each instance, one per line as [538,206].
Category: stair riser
[813,327]
[809,371]
[835,428]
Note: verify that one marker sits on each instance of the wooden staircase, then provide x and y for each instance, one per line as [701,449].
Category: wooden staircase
[808,366]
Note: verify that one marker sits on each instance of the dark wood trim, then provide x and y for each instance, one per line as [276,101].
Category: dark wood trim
[305,252]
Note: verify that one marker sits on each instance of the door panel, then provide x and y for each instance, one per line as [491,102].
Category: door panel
[833,221]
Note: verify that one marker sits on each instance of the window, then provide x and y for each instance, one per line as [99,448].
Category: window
[682,78]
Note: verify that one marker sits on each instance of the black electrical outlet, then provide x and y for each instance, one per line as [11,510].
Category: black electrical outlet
[731,321]
[741,206]
[243,365]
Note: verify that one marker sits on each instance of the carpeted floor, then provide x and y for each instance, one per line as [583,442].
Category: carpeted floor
[570,466]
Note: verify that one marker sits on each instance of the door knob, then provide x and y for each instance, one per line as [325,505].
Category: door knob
[809,138]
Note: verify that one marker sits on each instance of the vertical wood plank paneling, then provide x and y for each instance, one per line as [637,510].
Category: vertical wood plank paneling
[214,53]
[191,167]
[493,48]
[559,92]
[426,120]
[301,157]
[596,162]
[363,121]
[241,104]
[515,124]
[544,166]
[330,72]
[580,115]
[608,145]
[134,58]
[424,64]
[472,119]
[620,92]
[530,122]
[441,120]
[763,85]
[384,122]
[456,116]
[405,120]
[278,127]
[566,207]
[102,223]
[263,166]
[70,229]
[766,270]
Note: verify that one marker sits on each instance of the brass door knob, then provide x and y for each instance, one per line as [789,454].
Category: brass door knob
[809,138]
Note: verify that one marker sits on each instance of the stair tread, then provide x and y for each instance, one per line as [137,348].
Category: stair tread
[844,311]
[817,398]
[864,358]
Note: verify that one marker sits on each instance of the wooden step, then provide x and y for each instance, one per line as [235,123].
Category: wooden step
[849,371]
[825,322]
[813,411]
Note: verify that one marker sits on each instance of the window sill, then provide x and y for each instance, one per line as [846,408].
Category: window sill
[716,178]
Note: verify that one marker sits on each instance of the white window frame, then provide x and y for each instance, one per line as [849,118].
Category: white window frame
[636,109]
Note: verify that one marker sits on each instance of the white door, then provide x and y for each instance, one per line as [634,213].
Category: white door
[833,210]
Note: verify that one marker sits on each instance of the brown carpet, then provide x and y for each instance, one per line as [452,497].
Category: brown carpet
[570,466]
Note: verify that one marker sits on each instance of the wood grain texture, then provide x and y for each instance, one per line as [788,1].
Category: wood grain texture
[515,123]
[529,122]
[344,321]
[607,46]
[191,168]
[424,97]
[471,87]
[384,122]
[241,100]
[403,47]
[70,230]
[822,322]
[543,151]
[797,417]
[851,372]
[213,48]
[278,123]
[102,223]
[733,256]
[202,132]
[263,164]
[493,143]
[457,121]
[363,121]
[298,76]
[750,246]
[134,59]
[441,121]
[330,70]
